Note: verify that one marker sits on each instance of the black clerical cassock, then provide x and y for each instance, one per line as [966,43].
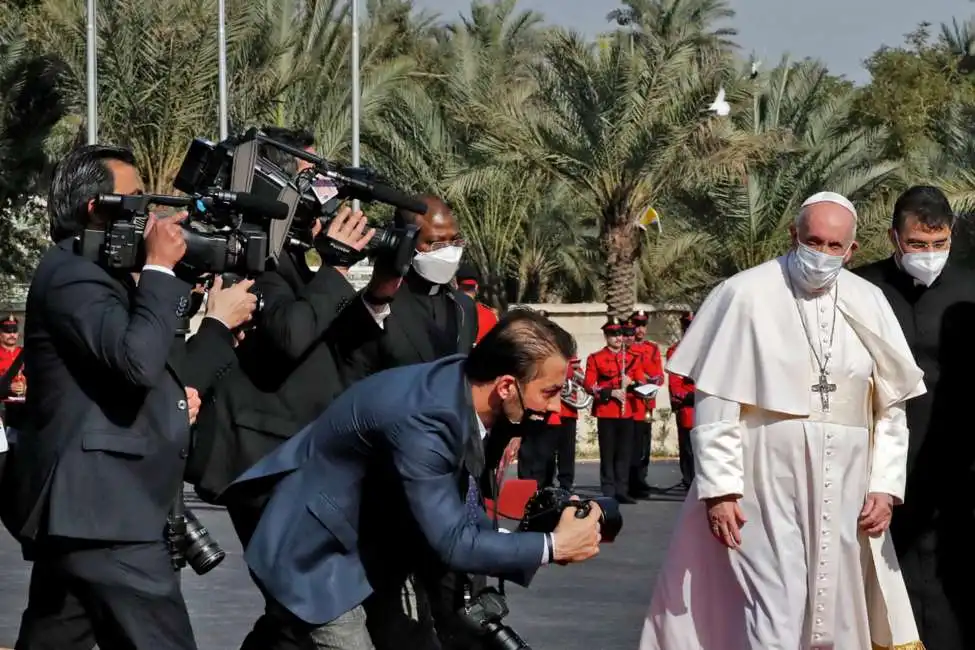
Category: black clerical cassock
[933,530]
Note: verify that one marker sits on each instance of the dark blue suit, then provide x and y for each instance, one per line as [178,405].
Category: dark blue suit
[306,551]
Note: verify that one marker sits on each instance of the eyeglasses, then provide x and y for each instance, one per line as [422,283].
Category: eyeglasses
[457,241]
[921,246]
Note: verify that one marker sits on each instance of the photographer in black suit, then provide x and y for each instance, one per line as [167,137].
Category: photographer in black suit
[287,375]
[99,463]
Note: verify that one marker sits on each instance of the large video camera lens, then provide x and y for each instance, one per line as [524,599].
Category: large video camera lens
[200,550]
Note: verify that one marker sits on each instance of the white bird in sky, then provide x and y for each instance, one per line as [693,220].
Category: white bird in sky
[755,66]
[720,106]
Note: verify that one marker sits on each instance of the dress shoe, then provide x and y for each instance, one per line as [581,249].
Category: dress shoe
[622,498]
[640,496]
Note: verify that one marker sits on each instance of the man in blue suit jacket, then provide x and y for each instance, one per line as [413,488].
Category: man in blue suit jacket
[422,424]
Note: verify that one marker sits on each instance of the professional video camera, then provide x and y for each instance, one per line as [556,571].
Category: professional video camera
[544,509]
[236,165]
[225,232]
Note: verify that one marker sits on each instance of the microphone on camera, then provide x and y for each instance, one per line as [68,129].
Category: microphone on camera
[249,203]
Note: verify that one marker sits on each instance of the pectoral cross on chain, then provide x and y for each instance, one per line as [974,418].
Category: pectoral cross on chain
[824,388]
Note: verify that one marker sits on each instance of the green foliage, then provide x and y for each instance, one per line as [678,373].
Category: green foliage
[548,146]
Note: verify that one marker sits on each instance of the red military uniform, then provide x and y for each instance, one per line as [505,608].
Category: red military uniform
[653,366]
[604,372]
[682,402]
[7,356]
[9,351]
[681,395]
[486,319]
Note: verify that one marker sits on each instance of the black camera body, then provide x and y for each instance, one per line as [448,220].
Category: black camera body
[235,164]
[545,508]
[220,232]
[483,616]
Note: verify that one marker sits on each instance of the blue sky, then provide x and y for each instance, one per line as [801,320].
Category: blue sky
[842,33]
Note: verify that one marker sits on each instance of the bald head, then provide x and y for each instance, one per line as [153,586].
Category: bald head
[437,224]
[827,225]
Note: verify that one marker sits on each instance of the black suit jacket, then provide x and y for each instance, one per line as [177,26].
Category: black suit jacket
[361,348]
[107,431]
[285,378]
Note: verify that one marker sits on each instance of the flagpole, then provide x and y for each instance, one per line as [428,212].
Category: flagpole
[92,56]
[222,64]
[355,89]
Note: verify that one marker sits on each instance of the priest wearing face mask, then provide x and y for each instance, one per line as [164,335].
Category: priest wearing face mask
[934,300]
[428,319]
[801,374]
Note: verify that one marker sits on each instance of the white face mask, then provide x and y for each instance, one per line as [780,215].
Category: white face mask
[924,267]
[812,270]
[438,266]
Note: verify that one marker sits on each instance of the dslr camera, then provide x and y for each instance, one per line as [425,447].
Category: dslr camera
[545,508]
[313,194]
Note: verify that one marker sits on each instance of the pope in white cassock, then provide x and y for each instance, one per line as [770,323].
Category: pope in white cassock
[800,445]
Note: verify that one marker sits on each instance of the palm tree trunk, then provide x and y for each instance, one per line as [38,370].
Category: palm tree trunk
[621,244]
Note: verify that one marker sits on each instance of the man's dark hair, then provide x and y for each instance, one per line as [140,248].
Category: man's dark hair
[521,341]
[81,176]
[927,204]
[296,138]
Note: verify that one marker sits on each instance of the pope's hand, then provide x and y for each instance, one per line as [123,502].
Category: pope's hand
[725,519]
[876,513]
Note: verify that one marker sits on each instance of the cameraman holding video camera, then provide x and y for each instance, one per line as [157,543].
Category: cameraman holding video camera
[99,464]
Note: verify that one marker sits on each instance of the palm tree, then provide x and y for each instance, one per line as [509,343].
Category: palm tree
[625,128]
[798,106]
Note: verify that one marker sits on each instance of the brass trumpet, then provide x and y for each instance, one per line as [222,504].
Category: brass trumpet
[573,394]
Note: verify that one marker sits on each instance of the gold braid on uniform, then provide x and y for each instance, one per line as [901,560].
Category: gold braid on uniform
[913,645]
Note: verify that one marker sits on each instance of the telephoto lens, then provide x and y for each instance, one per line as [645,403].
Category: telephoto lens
[200,549]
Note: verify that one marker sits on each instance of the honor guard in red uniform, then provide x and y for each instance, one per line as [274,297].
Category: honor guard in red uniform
[682,403]
[14,386]
[612,374]
[653,366]
[468,281]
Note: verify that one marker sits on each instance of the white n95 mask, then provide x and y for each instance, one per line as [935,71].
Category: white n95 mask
[924,267]
[439,266]
[812,270]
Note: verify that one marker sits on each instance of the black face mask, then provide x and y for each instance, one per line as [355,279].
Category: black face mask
[531,420]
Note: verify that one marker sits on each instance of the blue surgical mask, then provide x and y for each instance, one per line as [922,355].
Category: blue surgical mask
[812,270]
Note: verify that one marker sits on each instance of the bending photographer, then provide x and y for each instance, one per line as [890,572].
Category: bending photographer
[101,457]
[392,459]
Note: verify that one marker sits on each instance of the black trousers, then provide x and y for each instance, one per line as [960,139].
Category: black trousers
[565,454]
[548,453]
[686,452]
[616,440]
[536,455]
[122,596]
[640,458]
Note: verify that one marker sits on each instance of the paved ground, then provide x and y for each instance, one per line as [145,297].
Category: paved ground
[599,604]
